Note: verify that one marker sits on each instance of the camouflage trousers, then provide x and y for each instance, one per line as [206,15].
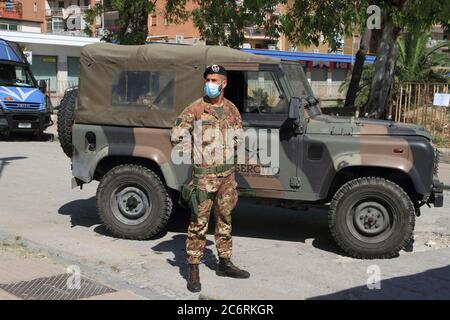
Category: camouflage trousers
[223,201]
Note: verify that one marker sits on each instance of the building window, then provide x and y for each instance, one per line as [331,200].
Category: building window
[10,27]
[150,89]
[49,25]
[154,20]
[58,24]
[13,27]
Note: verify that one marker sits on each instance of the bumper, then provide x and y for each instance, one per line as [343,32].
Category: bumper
[25,121]
[437,194]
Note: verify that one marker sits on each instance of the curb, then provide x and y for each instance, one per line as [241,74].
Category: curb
[90,270]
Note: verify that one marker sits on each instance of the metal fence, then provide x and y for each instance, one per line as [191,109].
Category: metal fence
[412,102]
[61,87]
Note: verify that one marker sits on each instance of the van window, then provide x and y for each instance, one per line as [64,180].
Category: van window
[150,89]
[256,92]
[264,94]
[15,75]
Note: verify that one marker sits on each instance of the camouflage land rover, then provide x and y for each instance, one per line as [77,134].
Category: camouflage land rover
[372,175]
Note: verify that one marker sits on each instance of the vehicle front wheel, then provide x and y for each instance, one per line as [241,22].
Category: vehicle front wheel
[371,218]
[133,203]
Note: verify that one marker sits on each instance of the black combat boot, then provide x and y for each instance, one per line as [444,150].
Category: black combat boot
[193,282]
[227,269]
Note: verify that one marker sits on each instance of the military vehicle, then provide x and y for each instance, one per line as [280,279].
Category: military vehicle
[372,175]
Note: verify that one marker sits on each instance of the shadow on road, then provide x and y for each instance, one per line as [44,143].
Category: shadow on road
[25,137]
[7,161]
[433,284]
[82,212]
[177,245]
[251,221]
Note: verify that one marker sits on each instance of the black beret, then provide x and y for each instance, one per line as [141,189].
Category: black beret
[215,69]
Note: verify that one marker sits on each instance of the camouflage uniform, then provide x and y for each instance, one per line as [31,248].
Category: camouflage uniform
[218,188]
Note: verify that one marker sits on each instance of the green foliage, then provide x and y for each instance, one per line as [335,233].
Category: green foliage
[133,20]
[418,63]
[419,15]
[89,17]
[364,86]
[222,22]
[308,21]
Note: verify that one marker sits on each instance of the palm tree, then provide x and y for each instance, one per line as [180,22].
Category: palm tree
[416,62]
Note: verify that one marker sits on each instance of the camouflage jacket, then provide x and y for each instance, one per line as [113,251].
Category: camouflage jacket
[212,138]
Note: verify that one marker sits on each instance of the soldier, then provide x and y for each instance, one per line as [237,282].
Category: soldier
[213,183]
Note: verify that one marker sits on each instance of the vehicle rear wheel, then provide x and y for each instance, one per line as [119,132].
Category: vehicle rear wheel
[371,218]
[133,203]
[66,116]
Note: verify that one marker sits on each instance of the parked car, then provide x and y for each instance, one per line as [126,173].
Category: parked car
[24,105]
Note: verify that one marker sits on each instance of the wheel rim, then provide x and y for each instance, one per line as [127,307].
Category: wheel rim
[371,220]
[131,205]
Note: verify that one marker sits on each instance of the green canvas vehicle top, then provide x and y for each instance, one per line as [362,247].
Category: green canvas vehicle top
[373,176]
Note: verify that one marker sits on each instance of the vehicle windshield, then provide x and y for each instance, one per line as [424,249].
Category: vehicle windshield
[15,75]
[300,87]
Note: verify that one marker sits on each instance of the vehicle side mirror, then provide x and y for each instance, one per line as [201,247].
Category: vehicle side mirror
[42,86]
[294,110]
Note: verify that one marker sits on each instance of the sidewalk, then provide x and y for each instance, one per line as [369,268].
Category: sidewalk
[25,275]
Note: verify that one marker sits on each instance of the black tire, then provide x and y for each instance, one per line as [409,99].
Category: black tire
[66,115]
[371,218]
[137,188]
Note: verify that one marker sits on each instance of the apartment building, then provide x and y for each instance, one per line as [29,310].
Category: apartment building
[21,15]
[161,30]
[51,34]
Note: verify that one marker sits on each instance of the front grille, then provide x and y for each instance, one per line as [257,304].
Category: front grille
[22,106]
[25,117]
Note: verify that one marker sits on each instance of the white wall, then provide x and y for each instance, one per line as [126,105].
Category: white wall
[34,27]
[62,52]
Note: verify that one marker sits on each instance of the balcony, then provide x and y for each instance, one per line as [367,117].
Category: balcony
[64,12]
[11,10]
[254,33]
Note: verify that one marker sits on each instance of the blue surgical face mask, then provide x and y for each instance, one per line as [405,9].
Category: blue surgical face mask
[212,90]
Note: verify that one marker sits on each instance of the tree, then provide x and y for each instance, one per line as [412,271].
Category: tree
[309,21]
[223,22]
[362,92]
[416,63]
[220,22]
[132,23]
[399,15]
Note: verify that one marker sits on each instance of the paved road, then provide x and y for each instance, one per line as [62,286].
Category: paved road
[290,254]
